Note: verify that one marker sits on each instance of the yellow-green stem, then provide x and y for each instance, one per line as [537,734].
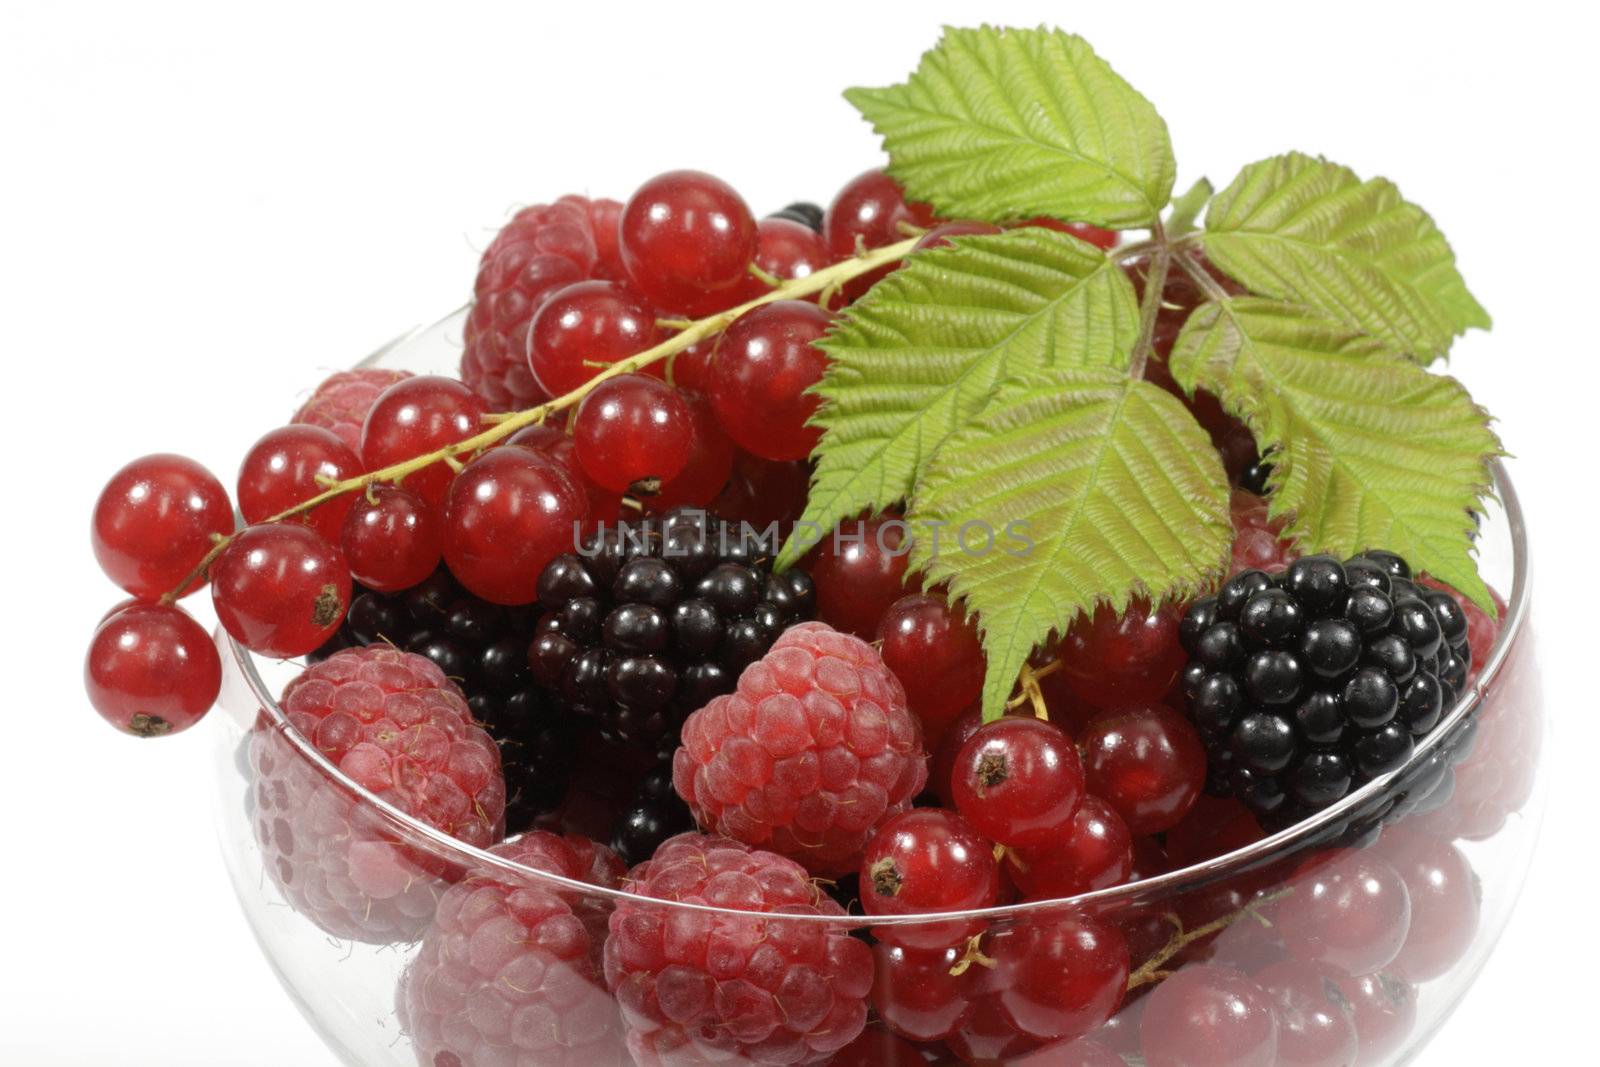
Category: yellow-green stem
[505,424]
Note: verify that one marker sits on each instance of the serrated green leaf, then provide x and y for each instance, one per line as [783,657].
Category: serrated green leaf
[1302,229]
[1369,450]
[916,357]
[1004,123]
[1117,487]
[1187,207]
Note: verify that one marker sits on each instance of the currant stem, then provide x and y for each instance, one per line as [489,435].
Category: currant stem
[505,424]
[1153,969]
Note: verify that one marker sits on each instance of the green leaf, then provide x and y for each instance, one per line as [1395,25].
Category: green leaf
[1309,231]
[1186,208]
[1001,124]
[1115,485]
[1369,450]
[917,356]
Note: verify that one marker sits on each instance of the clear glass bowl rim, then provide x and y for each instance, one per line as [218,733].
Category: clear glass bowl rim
[1285,842]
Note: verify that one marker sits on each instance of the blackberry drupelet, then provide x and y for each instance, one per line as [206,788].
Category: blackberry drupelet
[648,622]
[1307,684]
[802,211]
[484,648]
[1253,479]
[656,813]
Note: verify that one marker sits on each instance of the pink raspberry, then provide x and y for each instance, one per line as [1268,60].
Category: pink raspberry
[392,722]
[541,249]
[509,970]
[1256,538]
[809,756]
[342,401]
[698,987]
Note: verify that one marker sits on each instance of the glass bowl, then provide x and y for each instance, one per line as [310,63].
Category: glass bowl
[1367,923]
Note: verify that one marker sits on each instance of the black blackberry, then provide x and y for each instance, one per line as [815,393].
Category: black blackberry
[802,211]
[656,813]
[1305,685]
[484,648]
[647,622]
[1253,479]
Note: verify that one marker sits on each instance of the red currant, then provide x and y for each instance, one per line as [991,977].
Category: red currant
[878,1047]
[763,366]
[417,416]
[935,652]
[1083,231]
[280,589]
[511,511]
[391,539]
[988,1036]
[939,236]
[1081,1052]
[860,569]
[915,994]
[282,468]
[1059,976]
[1315,1027]
[1348,909]
[868,212]
[633,429]
[542,437]
[1384,1007]
[1111,660]
[1061,704]
[942,768]
[1213,827]
[1149,859]
[154,522]
[1147,762]
[585,327]
[786,250]
[690,368]
[687,242]
[1444,903]
[152,670]
[926,860]
[762,491]
[710,460]
[1096,852]
[1208,1016]
[1019,781]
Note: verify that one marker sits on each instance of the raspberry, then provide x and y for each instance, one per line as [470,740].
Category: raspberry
[342,401]
[541,249]
[747,988]
[1258,543]
[396,726]
[484,647]
[811,753]
[509,971]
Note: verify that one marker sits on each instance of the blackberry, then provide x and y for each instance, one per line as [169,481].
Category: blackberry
[483,647]
[1307,684]
[1253,479]
[802,211]
[648,622]
[656,813]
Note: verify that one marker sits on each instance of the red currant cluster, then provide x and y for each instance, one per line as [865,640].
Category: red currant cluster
[383,475]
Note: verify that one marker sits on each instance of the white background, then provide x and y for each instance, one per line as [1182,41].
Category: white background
[206,209]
